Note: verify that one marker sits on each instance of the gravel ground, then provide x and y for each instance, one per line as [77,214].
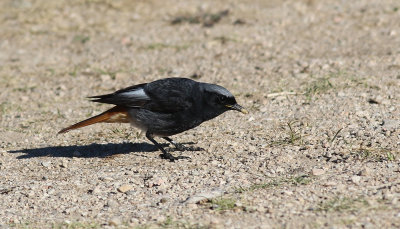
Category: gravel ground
[320,147]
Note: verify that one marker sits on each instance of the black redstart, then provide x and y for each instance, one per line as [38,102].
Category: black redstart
[164,107]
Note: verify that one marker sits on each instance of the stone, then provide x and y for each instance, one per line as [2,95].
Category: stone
[204,196]
[356,179]
[391,124]
[76,153]
[114,221]
[317,172]
[46,164]
[96,190]
[365,172]
[124,188]
[158,181]
[238,204]
[192,206]
[214,223]
[130,192]
[112,203]
[64,164]
[134,221]
[287,192]
[330,183]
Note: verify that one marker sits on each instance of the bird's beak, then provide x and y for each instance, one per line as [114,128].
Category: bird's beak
[237,107]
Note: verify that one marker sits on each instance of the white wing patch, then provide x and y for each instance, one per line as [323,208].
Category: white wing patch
[137,94]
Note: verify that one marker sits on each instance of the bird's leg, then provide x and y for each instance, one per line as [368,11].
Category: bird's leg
[181,147]
[165,154]
[177,145]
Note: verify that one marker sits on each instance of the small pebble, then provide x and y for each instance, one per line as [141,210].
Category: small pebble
[318,172]
[114,221]
[46,164]
[112,203]
[130,192]
[96,190]
[134,221]
[287,192]
[330,183]
[365,172]
[163,200]
[124,188]
[238,204]
[76,153]
[64,164]
[192,206]
[356,179]
[214,222]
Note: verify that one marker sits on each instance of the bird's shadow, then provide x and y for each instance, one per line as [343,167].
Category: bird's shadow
[86,151]
[89,151]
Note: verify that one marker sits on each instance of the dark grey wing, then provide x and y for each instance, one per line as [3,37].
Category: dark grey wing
[133,96]
[171,95]
[165,96]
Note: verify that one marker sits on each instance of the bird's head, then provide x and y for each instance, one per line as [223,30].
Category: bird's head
[221,99]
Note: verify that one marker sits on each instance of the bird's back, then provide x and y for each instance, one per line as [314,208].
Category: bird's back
[172,95]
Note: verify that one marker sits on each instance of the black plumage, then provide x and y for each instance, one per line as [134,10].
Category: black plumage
[165,107]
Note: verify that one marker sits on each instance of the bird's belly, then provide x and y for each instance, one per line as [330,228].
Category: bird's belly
[162,124]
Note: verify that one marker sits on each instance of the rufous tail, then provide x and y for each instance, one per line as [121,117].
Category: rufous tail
[115,114]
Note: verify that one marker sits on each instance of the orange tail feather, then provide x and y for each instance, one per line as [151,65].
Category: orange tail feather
[115,114]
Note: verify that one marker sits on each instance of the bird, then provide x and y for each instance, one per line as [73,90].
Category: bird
[163,108]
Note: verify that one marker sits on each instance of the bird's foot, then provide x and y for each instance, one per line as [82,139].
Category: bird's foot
[172,158]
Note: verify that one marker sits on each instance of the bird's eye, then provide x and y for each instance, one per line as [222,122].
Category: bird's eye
[221,99]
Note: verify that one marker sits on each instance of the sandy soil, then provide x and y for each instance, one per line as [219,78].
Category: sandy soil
[320,147]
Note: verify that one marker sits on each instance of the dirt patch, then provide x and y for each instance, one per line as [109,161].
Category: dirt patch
[320,147]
